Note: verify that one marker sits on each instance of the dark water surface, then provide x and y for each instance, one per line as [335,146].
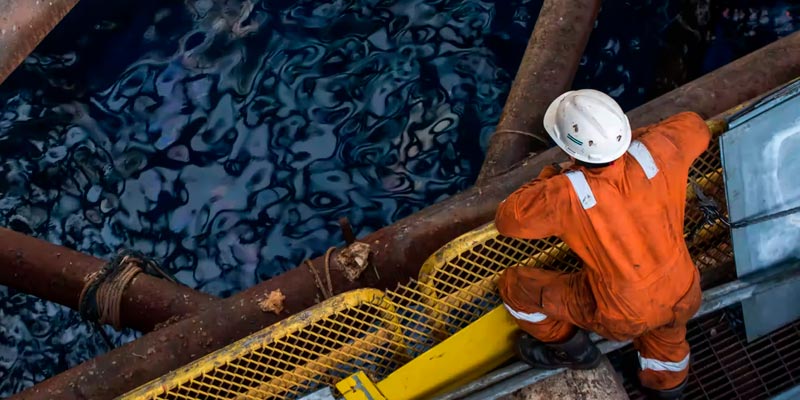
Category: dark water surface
[226,141]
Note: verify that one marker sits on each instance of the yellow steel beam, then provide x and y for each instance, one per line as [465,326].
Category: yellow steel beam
[469,354]
[359,387]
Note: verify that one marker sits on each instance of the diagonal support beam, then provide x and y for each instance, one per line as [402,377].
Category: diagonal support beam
[547,70]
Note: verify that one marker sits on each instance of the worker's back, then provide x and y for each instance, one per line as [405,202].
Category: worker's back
[629,232]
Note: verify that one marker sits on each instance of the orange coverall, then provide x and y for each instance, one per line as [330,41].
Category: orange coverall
[639,281]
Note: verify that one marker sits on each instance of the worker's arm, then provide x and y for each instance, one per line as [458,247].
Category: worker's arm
[529,213]
[687,135]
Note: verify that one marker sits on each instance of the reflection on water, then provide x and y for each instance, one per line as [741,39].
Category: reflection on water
[226,141]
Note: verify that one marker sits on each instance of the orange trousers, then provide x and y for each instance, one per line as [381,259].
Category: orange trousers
[549,305]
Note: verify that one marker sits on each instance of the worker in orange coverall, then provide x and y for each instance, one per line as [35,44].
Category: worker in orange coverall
[619,205]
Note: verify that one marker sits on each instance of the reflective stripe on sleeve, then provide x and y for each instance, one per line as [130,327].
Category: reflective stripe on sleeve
[644,158]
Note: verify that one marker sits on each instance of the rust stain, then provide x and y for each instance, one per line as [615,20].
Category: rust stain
[273,302]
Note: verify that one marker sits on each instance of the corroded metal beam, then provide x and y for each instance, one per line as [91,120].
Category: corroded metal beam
[58,274]
[398,250]
[547,70]
[23,25]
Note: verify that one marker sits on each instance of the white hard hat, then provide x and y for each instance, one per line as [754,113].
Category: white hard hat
[589,125]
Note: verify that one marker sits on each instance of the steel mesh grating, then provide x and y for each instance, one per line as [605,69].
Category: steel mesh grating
[377,332]
[724,365]
[708,241]
[290,364]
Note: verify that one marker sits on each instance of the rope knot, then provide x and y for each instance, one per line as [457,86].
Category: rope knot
[101,297]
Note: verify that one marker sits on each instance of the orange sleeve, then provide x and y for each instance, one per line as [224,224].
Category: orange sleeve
[687,132]
[529,213]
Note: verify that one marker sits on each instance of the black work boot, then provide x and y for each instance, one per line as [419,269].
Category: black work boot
[675,393]
[577,352]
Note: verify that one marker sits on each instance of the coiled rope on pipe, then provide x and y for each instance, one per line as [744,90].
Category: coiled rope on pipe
[101,297]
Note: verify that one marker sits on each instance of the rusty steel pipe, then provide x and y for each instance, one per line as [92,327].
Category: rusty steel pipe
[737,82]
[398,250]
[58,274]
[23,25]
[546,71]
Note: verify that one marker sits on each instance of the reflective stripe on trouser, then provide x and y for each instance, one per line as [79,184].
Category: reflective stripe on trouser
[566,301]
[658,365]
[531,293]
[663,357]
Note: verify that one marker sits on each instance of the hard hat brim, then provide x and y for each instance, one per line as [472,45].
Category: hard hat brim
[549,120]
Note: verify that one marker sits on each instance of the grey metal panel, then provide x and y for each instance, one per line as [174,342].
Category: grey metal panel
[766,244]
[767,103]
[761,161]
[791,394]
[769,311]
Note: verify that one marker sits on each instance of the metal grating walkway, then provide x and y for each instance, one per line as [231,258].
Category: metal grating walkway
[724,365]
